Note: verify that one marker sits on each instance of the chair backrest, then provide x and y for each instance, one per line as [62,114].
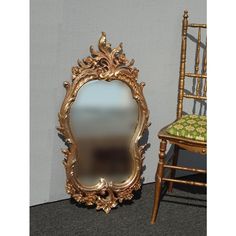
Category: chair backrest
[200,77]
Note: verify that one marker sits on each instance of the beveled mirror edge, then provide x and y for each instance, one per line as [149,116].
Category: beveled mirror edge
[105,64]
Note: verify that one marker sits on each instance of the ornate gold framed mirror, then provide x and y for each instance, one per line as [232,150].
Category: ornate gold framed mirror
[102,119]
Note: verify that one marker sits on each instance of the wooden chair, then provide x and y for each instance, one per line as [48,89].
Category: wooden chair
[183,133]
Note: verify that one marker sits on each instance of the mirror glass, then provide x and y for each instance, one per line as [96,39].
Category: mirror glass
[103,120]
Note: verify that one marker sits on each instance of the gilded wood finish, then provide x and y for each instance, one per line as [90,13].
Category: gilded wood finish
[182,65]
[179,142]
[105,64]
[159,176]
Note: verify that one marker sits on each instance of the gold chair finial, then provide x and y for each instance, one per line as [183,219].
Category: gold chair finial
[185,14]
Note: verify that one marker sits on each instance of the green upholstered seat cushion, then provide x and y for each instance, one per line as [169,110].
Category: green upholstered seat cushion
[191,127]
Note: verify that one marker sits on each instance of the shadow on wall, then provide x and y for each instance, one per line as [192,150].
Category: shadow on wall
[203,105]
[144,142]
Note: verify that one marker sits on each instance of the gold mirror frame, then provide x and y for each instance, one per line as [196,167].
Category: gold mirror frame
[105,64]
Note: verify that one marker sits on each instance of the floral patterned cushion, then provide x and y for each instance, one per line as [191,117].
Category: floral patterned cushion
[190,126]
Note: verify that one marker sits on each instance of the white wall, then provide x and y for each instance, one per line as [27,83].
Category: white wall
[62,31]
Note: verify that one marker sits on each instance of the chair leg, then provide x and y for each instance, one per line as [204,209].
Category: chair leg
[174,163]
[159,175]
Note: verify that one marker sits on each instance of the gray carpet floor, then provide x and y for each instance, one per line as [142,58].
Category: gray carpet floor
[181,213]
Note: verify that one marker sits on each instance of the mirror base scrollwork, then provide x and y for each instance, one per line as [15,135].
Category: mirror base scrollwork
[97,198]
[106,64]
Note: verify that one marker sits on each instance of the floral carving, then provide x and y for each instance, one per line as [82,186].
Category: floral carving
[103,64]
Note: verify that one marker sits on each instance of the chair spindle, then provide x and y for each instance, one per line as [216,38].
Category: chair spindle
[197,61]
[204,70]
